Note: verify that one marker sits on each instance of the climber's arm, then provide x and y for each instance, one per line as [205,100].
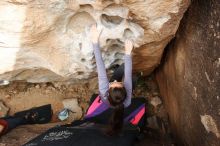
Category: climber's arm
[102,76]
[128,72]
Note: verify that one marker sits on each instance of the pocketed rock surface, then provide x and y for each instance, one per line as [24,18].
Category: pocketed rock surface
[48,40]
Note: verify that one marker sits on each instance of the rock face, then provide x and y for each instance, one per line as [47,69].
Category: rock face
[42,41]
[189,78]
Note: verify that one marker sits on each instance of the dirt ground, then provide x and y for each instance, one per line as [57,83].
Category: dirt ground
[23,134]
[21,95]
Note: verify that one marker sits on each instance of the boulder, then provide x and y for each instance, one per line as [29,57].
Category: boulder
[45,41]
[189,78]
[75,110]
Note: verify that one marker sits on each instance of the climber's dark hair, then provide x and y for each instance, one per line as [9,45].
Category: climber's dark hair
[116,98]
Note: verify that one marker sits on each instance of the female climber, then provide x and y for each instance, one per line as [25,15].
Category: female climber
[116,94]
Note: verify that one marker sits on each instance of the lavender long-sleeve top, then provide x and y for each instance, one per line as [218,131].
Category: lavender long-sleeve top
[103,79]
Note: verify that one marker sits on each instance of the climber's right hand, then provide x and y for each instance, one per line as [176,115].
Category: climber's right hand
[94,34]
[128,46]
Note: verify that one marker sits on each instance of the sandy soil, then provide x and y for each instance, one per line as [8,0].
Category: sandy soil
[21,95]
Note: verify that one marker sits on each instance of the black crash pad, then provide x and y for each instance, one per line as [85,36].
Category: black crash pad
[84,136]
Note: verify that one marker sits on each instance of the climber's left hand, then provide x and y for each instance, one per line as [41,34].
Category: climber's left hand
[95,34]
